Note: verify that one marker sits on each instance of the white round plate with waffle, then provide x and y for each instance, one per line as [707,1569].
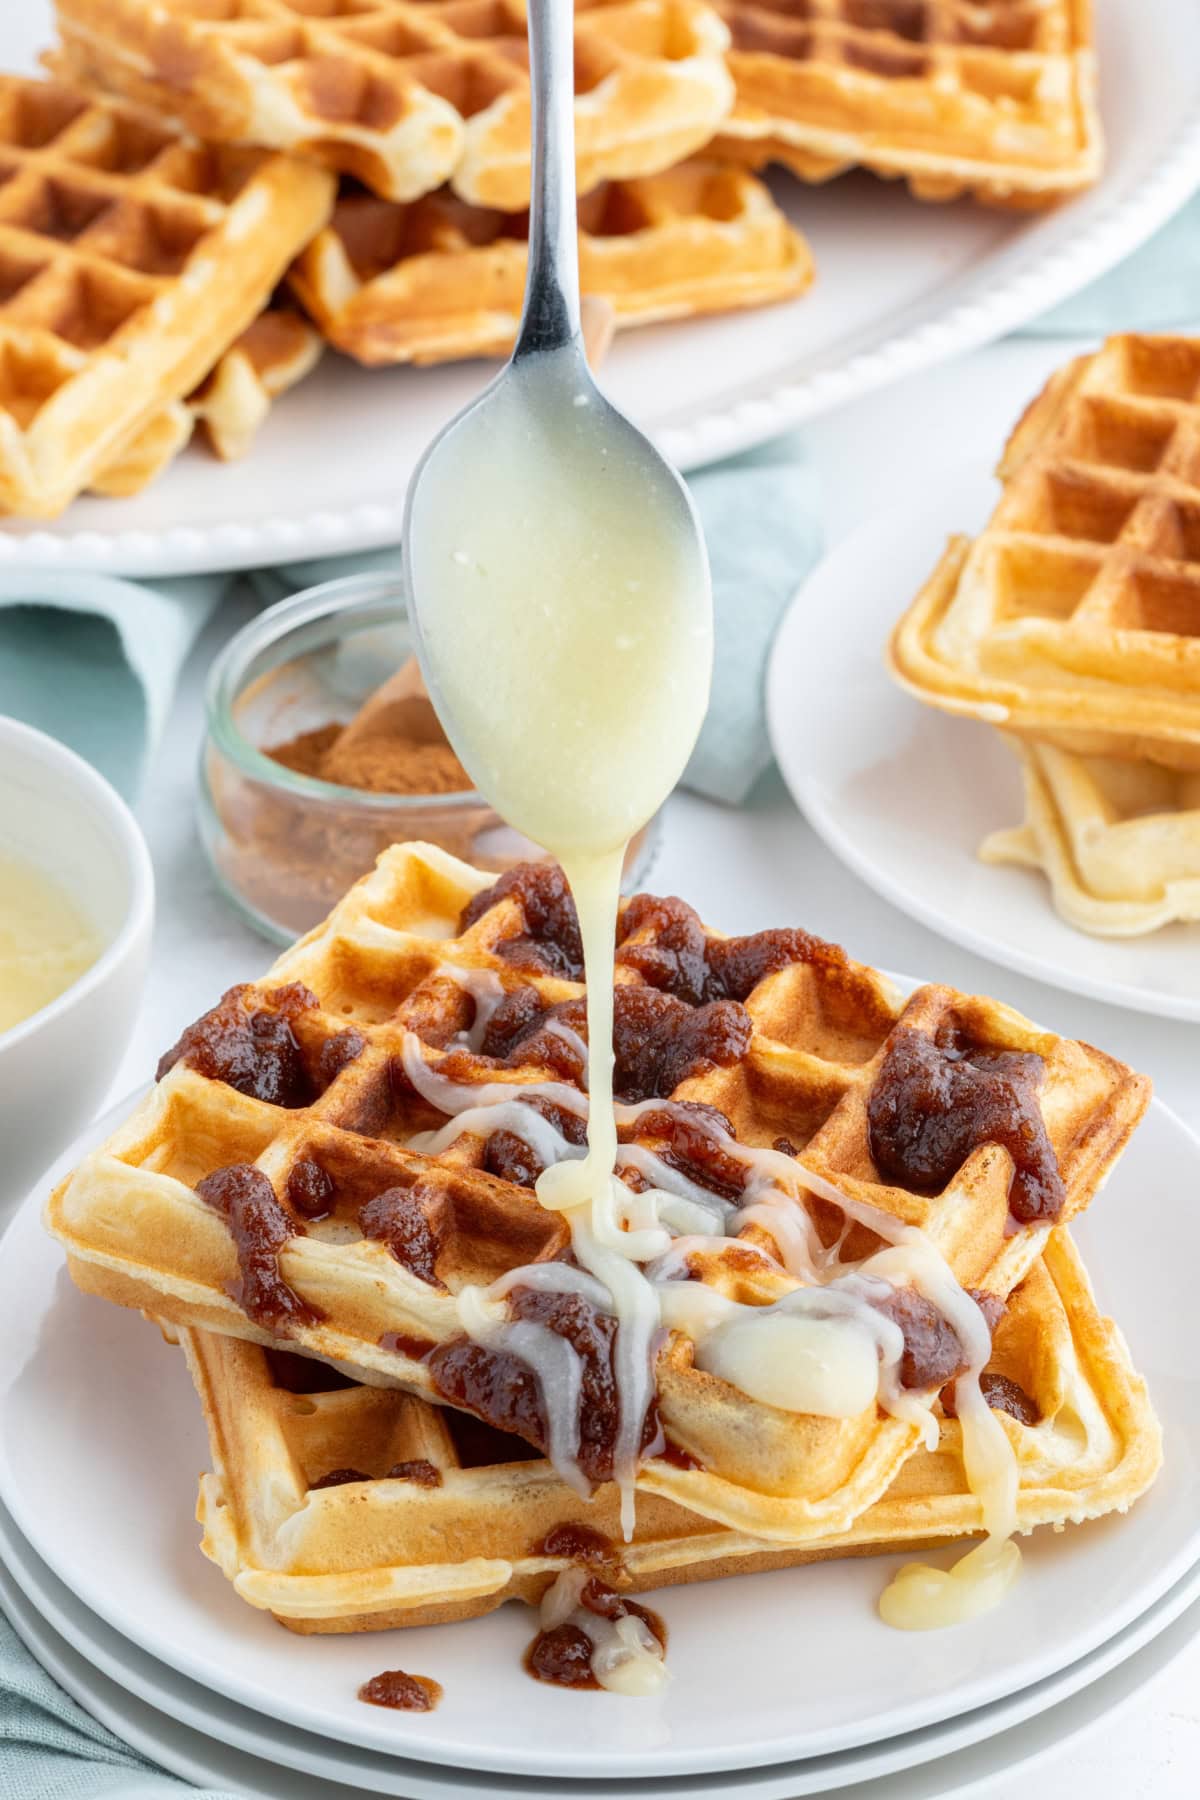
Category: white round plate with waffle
[905,794]
[900,286]
[101,1442]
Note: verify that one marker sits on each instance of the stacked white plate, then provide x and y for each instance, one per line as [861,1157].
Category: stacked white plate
[784,1685]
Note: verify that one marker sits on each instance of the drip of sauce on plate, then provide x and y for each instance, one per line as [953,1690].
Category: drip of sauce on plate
[590,1636]
[46,941]
[401,1691]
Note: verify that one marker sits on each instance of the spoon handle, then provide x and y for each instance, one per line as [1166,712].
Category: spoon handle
[550,318]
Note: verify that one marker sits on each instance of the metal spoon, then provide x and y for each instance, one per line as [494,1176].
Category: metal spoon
[540,482]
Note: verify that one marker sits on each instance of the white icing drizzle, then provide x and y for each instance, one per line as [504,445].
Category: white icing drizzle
[555,1364]
[454,1098]
[517,1116]
[627,1658]
[486,989]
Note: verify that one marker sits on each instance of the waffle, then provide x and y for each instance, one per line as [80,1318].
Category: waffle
[1074,617]
[471,1520]
[440,279]
[951,96]
[1119,841]
[407,94]
[129,260]
[394,969]
[231,405]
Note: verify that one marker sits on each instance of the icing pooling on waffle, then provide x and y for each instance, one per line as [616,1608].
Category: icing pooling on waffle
[829,1347]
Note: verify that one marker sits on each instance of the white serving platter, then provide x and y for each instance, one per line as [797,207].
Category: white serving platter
[900,286]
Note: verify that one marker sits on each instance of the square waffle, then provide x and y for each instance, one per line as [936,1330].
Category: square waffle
[1074,617]
[407,94]
[952,96]
[440,279]
[130,258]
[359,1044]
[1119,841]
[470,1518]
[231,404]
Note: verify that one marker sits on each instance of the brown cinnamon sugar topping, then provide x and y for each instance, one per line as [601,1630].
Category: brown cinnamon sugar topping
[248,1041]
[550,943]
[260,1227]
[937,1100]
[505,1392]
[563,1655]
[408,1221]
[417,1469]
[658,1041]
[1002,1395]
[933,1352]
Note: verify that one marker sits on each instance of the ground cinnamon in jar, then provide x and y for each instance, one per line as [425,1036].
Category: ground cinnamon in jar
[291,855]
[381,765]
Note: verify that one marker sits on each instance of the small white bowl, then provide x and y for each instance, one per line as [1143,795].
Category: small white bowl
[57,813]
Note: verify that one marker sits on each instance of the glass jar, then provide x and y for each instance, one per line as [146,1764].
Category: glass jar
[285,846]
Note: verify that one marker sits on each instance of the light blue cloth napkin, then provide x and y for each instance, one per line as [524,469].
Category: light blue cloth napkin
[94,661]
[51,1750]
[1155,289]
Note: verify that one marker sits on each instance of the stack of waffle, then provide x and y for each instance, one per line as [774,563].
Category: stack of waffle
[1072,622]
[196,169]
[333,1156]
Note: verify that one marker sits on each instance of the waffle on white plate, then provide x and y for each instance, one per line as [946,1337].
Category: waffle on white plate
[439,279]
[230,406]
[130,261]
[409,94]
[434,1001]
[1072,619]
[1118,841]
[952,96]
[346,1508]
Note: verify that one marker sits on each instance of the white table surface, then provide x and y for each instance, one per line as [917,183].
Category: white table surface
[757,867]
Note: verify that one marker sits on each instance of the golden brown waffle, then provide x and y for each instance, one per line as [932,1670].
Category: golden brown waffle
[952,96]
[1074,617]
[407,94]
[392,971]
[129,260]
[231,405]
[469,1519]
[440,279]
[1119,841]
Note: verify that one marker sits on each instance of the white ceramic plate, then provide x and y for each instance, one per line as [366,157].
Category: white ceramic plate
[904,793]
[85,1386]
[119,1684]
[900,286]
